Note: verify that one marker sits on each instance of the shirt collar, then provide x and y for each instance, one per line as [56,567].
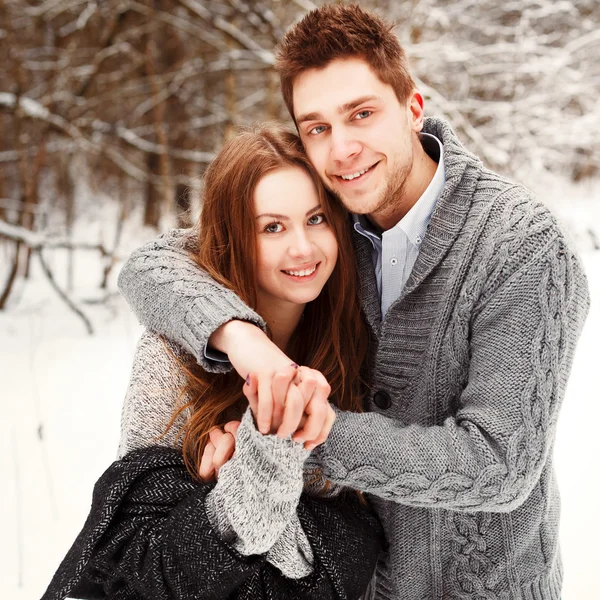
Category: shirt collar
[414,223]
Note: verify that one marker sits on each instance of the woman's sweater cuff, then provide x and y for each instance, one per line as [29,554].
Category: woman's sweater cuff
[258,490]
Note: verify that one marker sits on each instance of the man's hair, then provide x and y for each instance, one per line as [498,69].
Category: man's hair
[337,31]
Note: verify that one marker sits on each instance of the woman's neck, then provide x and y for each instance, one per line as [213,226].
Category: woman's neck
[282,319]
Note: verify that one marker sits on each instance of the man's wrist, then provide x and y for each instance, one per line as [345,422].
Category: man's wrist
[249,348]
[229,333]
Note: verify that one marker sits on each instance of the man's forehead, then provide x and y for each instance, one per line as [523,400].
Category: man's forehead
[338,87]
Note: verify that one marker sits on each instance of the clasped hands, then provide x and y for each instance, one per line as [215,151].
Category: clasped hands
[293,401]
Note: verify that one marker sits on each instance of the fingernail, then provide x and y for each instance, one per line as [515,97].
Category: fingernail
[294,365]
[310,447]
[248,379]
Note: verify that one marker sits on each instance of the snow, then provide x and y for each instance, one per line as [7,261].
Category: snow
[62,391]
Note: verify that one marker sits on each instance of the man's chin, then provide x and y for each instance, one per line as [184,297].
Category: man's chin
[359,205]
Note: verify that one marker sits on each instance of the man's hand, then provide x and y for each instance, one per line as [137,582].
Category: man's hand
[219,449]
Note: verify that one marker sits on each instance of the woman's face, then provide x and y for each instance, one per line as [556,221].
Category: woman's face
[296,248]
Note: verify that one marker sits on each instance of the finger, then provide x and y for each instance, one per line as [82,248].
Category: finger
[215,435]
[250,389]
[279,388]
[265,403]
[316,413]
[207,471]
[294,410]
[316,410]
[308,385]
[329,421]
[223,450]
[232,428]
[281,383]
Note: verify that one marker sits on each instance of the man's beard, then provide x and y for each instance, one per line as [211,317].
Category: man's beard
[391,198]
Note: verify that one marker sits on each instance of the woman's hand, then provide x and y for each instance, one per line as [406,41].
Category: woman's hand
[292,401]
[219,449]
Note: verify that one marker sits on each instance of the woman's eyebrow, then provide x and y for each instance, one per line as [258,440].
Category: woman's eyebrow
[276,216]
[272,215]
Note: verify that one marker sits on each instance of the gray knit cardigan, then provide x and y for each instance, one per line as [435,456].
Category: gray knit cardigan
[469,369]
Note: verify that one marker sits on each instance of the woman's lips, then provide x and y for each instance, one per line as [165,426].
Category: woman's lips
[302,278]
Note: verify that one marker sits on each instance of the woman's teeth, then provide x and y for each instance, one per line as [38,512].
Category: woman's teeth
[302,273]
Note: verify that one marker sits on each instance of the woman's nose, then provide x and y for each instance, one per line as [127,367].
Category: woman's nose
[301,245]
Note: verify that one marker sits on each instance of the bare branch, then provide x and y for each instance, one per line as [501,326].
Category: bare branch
[198,8]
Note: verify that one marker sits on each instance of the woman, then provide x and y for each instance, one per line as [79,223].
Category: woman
[157,528]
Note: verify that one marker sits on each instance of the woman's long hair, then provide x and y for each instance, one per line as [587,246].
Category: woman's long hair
[332,336]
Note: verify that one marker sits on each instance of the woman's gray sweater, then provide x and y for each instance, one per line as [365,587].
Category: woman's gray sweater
[253,505]
[469,369]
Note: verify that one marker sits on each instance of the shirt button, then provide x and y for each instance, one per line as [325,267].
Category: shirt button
[418,240]
[394,261]
[382,399]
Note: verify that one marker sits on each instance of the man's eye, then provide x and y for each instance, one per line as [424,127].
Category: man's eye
[316,219]
[274,228]
[316,130]
[363,114]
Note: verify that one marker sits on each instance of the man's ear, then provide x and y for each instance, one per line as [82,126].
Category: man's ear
[417,111]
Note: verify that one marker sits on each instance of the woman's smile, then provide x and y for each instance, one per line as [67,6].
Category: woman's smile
[302,275]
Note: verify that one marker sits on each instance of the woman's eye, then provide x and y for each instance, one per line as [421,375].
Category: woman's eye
[274,228]
[363,114]
[316,219]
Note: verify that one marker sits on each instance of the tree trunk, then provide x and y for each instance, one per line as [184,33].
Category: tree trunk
[153,197]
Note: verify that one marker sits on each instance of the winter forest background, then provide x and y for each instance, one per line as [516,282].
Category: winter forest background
[110,110]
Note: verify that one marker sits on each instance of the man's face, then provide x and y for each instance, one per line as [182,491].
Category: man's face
[358,135]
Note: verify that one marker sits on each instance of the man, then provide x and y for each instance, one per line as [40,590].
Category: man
[474,301]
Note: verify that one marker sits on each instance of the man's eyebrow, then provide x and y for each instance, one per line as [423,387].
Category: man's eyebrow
[284,217]
[355,103]
[344,108]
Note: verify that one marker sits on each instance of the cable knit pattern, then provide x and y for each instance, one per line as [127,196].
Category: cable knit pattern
[197,310]
[474,357]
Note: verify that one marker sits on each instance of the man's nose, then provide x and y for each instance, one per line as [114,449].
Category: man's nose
[344,145]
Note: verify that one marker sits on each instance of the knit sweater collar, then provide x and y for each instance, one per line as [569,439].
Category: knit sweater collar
[462,172]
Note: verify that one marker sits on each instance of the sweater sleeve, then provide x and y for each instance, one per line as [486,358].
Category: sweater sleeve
[172,296]
[156,388]
[254,504]
[489,454]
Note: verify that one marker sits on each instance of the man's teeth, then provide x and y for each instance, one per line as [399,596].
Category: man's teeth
[303,272]
[354,175]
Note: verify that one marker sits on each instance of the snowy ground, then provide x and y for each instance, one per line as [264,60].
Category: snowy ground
[61,397]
